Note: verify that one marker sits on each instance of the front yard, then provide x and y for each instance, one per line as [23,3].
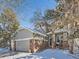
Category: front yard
[46,54]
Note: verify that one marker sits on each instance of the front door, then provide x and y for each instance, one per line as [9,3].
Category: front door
[59,38]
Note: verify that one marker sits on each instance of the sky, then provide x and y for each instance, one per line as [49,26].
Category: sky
[26,10]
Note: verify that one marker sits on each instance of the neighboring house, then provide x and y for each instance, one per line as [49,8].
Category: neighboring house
[28,40]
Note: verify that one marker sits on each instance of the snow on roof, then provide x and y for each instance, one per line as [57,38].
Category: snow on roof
[33,31]
[39,33]
[60,30]
[49,33]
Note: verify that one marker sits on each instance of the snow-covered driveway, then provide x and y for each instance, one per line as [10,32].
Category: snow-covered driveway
[46,54]
[49,54]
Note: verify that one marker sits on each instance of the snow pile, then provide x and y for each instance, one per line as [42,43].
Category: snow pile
[21,55]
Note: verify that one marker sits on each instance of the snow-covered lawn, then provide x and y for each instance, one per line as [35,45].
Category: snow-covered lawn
[3,50]
[19,55]
[46,54]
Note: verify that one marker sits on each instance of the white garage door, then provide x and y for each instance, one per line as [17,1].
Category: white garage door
[22,45]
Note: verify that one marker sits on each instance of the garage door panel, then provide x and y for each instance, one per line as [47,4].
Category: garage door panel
[22,45]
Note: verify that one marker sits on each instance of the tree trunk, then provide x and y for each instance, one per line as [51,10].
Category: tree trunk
[71,51]
[10,45]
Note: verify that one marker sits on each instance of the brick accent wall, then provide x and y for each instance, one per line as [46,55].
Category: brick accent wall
[38,45]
